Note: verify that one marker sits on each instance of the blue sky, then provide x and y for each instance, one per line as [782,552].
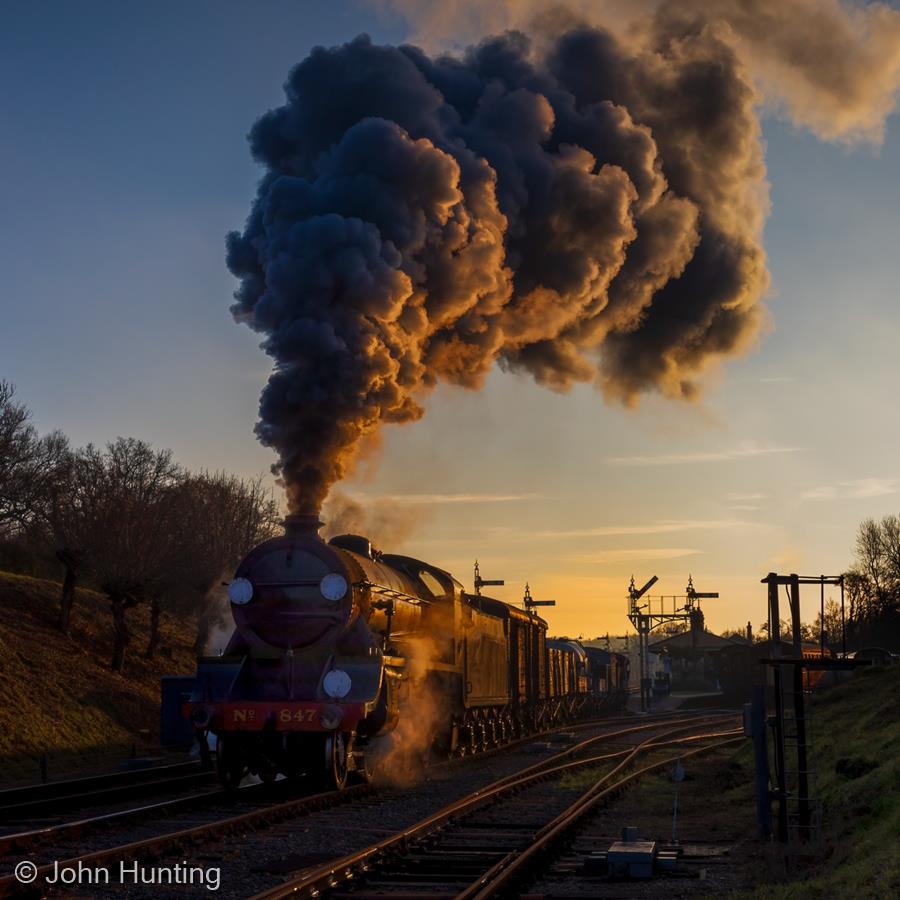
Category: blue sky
[124,163]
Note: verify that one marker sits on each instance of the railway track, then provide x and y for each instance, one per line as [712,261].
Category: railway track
[483,845]
[35,815]
[54,799]
[75,788]
[257,808]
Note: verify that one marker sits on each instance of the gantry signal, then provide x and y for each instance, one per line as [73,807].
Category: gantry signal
[531,603]
[485,582]
[654,612]
[635,594]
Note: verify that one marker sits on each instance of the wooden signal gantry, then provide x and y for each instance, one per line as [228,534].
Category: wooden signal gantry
[789,669]
[531,603]
[528,601]
[654,612]
[485,582]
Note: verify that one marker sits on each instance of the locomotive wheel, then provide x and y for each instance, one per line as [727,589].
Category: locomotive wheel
[230,763]
[336,761]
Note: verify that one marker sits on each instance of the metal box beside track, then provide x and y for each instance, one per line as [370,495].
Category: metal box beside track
[175,730]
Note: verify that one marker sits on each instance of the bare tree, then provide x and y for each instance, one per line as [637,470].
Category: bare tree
[36,490]
[832,622]
[220,517]
[871,562]
[29,464]
[64,518]
[139,526]
[232,516]
[132,523]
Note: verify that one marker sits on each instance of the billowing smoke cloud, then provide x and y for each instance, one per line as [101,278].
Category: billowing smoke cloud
[386,523]
[586,207]
[833,64]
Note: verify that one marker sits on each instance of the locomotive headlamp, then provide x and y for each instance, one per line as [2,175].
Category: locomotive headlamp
[240,591]
[337,684]
[333,587]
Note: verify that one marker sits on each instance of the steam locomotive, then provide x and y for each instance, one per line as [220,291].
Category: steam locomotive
[335,642]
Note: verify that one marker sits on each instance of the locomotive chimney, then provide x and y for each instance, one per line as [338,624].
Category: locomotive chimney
[302,525]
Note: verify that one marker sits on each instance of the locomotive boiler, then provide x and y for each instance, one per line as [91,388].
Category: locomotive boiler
[335,641]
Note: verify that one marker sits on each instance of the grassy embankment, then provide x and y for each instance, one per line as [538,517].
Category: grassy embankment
[57,693]
[856,730]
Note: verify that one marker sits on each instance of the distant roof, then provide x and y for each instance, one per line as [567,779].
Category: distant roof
[706,640]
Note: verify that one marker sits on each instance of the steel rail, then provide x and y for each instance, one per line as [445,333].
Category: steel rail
[602,738]
[32,808]
[329,876]
[54,790]
[26,840]
[499,875]
[156,846]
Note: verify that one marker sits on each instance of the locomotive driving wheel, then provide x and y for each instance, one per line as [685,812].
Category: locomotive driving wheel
[337,754]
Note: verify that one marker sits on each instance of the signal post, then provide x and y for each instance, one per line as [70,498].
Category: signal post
[654,612]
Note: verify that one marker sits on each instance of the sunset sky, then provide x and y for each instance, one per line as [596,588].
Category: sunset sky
[124,164]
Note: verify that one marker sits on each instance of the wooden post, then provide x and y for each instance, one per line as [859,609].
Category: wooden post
[822,617]
[800,715]
[775,636]
[761,758]
[843,624]
[795,615]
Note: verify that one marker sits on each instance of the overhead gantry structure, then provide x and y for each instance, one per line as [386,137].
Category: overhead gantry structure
[647,613]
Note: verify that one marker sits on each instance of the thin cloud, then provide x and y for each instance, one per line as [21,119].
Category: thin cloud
[437,499]
[745,451]
[633,554]
[664,527]
[743,507]
[744,498]
[855,489]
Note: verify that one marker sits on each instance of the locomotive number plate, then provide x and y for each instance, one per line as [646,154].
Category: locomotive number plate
[256,716]
[298,716]
[284,717]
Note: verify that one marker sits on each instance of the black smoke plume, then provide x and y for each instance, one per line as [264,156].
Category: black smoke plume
[580,210]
